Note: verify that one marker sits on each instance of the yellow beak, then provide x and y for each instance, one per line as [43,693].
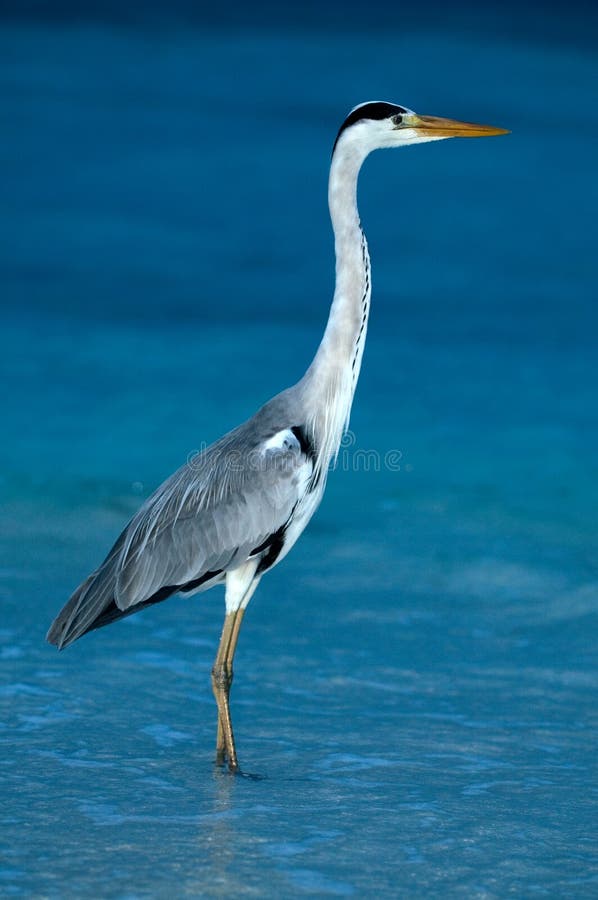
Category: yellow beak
[436,127]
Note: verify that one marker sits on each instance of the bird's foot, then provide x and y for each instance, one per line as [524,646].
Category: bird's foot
[228,768]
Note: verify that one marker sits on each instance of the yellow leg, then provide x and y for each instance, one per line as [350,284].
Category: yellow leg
[222,678]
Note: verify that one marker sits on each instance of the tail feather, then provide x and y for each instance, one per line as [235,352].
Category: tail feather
[93,605]
[89,602]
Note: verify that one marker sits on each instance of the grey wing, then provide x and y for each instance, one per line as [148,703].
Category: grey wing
[212,515]
[230,503]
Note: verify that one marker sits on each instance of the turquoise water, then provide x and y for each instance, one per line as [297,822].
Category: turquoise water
[416,683]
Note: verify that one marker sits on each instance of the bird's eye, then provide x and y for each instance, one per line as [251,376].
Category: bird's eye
[397,120]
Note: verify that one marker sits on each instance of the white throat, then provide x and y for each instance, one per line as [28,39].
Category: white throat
[332,377]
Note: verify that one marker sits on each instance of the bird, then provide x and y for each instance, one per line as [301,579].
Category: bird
[233,511]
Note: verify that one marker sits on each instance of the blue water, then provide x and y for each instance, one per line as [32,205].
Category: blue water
[416,683]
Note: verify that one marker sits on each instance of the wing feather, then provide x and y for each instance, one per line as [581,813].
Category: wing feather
[210,515]
[233,501]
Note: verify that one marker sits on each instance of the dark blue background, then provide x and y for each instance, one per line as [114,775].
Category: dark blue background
[417,681]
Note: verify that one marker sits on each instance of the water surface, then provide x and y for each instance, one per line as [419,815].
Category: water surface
[416,683]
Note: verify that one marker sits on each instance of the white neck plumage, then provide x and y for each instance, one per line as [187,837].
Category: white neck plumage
[330,381]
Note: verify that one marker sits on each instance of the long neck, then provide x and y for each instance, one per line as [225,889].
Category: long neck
[331,379]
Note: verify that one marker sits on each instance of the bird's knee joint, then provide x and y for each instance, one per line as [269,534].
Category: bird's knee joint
[222,677]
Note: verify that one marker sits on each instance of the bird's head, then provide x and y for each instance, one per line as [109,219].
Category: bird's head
[376,124]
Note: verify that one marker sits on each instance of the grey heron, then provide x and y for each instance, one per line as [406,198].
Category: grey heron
[235,510]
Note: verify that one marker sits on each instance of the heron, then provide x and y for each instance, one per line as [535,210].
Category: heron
[233,512]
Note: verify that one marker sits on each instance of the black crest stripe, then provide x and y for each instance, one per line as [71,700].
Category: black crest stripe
[377,110]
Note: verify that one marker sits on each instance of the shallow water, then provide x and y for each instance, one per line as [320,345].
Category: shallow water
[415,685]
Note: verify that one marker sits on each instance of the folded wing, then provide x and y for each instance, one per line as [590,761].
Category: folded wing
[225,505]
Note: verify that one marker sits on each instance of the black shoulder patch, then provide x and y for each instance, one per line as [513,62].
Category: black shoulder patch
[307,448]
[271,548]
[377,110]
